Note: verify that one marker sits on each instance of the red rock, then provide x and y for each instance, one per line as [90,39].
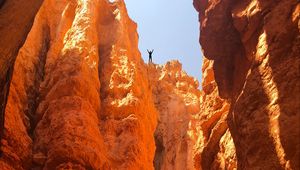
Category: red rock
[80,89]
[214,148]
[16,18]
[254,47]
[176,96]
[39,158]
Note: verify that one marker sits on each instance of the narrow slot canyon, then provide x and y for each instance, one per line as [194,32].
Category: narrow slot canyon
[77,94]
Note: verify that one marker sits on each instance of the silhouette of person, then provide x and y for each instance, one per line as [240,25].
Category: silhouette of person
[150,55]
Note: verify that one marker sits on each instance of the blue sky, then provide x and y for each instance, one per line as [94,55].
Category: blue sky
[171,28]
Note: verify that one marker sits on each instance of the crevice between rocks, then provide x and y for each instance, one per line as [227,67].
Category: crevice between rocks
[211,149]
[33,92]
[159,152]
[104,60]
[3,100]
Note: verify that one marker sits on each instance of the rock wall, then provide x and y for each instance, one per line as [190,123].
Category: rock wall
[214,148]
[16,18]
[176,97]
[254,47]
[79,96]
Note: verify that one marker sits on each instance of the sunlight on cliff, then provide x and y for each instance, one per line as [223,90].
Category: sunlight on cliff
[75,92]
[270,89]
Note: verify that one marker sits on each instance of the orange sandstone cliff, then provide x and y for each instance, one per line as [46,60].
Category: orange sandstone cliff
[214,147]
[253,48]
[176,97]
[79,96]
[16,18]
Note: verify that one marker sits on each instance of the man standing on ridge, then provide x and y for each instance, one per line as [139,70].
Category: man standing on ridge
[150,55]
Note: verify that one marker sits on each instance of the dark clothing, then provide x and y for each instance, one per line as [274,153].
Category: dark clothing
[150,55]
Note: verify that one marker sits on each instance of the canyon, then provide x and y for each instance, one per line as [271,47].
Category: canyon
[76,94]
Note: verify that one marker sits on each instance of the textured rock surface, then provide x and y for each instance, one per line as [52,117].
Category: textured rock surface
[214,148]
[176,96]
[82,98]
[79,97]
[16,18]
[254,46]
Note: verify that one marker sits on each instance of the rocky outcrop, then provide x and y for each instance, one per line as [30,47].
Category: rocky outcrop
[128,113]
[16,18]
[79,96]
[254,47]
[176,97]
[192,131]
[214,148]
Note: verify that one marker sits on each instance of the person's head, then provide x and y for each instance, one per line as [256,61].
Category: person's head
[150,52]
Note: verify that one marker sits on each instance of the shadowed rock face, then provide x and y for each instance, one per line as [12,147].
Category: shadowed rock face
[254,47]
[214,148]
[2,3]
[16,18]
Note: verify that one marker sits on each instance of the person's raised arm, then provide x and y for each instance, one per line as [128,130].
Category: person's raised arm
[148,51]
[152,50]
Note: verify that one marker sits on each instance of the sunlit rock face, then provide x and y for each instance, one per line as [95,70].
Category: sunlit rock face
[79,96]
[176,96]
[254,47]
